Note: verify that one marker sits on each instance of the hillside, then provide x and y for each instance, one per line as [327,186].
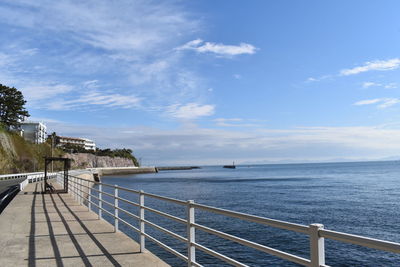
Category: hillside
[18,155]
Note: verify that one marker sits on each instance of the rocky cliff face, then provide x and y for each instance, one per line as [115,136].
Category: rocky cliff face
[7,153]
[83,160]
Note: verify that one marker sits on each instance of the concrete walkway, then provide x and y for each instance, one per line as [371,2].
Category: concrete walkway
[54,230]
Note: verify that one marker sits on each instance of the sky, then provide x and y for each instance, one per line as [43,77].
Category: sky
[211,82]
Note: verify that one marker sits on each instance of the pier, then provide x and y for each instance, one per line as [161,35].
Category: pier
[55,230]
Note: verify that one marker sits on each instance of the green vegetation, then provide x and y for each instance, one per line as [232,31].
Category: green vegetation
[18,155]
[122,153]
[12,108]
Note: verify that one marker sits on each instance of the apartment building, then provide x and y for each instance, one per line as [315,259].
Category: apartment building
[81,142]
[34,132]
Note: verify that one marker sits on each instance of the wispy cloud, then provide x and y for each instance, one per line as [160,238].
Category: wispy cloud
[191,110]
[369,84]
[237,122]
[92,44]
[374,84]
[139,26]
[108,99]
[379,65]
[200,46]
[317,79]
[94,98]
[42,91]
[383,102]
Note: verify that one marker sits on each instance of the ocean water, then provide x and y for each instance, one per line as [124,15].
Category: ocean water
[358,198]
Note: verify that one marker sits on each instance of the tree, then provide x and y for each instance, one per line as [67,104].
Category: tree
[12,109]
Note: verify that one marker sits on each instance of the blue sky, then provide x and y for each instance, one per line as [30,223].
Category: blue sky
[208,82]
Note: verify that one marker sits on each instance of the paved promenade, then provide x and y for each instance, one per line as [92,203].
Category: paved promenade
[54,230]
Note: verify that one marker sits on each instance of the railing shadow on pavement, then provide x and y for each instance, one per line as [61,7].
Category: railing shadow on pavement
[59,204]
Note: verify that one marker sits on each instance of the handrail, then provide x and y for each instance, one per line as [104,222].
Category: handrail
[166,215]
[254,245]
[261,220]
[361,241]
[31,176]
[316,232]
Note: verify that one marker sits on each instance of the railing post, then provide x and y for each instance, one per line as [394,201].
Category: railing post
[317,246]
[100,201]
[80,192]
[89,196]
[191,233]
[116,208]
[75,189]
[141,215]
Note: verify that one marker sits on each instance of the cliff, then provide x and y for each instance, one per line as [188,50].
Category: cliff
[85,160]
[18,155]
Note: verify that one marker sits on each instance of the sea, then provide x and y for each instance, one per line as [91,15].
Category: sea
[361,198]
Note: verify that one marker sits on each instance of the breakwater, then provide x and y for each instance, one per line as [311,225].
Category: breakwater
[177,168]
[122,170]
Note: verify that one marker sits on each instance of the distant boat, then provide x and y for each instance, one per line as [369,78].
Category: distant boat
[230,166]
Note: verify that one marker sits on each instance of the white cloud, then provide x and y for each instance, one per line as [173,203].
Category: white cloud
[370,84]
[5,60]
[194,145]
[109,100]
[95,41]
[95,98]
[190,110]
[228,120]
[238,122]
[383,102]
[140,25]
[317,79]
[43,91]
[380,65]
[91,84]
[374,84]
[390,86]
[367,102]
[200,46]
[237,76]
[388,102]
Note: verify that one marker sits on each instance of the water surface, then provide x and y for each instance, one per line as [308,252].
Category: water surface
[357,198]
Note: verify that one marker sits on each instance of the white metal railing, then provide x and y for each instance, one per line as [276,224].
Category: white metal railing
[23,184]
[14,176]
[81,190]
[31,176]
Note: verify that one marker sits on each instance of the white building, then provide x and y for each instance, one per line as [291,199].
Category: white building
[89,144]
[34,132]
[82,142]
